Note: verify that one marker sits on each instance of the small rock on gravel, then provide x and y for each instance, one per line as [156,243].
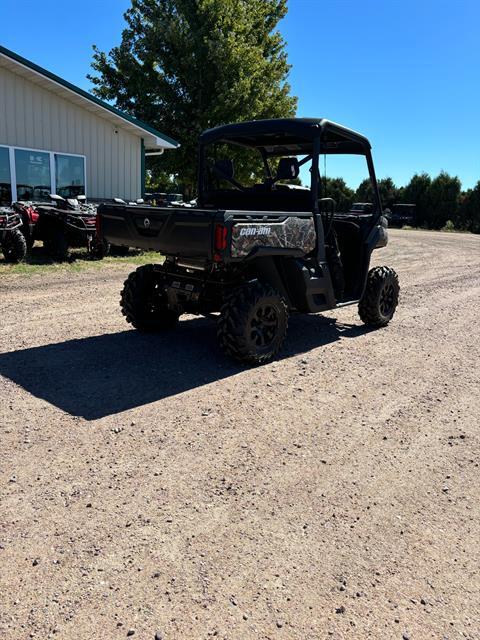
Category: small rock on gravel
[131,632]
[340,609]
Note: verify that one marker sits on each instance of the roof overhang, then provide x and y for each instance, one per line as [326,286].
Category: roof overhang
[153,140]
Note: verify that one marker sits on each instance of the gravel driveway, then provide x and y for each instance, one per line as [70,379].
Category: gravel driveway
[148,485]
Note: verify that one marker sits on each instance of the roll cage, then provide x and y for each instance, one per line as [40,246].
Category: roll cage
[308,137]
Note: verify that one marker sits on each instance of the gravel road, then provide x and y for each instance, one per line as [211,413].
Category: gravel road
[150,486]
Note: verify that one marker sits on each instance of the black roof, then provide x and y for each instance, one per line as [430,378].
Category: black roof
[285,136]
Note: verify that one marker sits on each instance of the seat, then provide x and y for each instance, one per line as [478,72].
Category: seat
[224,168]
[288,169]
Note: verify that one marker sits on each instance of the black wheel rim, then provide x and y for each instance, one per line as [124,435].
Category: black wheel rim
[264,325]
[387,300]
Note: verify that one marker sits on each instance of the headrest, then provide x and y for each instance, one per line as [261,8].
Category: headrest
[287,169]
[224,168]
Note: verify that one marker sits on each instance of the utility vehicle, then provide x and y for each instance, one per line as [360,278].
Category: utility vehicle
[64,223]
[402,214]
[14,245]
[362,207]
[255,251]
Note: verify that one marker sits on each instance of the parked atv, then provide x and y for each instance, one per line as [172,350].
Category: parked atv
[14,245]
[67,223]
[29,215]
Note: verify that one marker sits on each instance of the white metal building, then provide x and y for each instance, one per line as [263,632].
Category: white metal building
[57,138]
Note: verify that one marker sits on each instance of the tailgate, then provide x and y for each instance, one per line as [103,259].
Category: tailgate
[171,231]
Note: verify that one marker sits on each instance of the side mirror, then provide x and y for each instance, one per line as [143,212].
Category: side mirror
[140,200]
[55,197]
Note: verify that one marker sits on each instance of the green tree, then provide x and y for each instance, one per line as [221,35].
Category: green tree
[388,192]
[186,65]
[469,210]
[443,197]
[364,192]
[337,189]
[162,182]
[386,187]
[416,192]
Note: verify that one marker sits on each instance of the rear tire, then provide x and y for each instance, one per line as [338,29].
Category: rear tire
[253,323]
[144,303]
[100,249]
[380,299]
[57,245]
[14,246]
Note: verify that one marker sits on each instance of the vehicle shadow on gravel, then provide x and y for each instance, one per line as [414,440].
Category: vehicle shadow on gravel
[103,375]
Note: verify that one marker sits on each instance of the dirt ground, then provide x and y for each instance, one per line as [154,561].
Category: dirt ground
[150,486]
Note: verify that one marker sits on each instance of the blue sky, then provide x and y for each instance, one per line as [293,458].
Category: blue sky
[405,73]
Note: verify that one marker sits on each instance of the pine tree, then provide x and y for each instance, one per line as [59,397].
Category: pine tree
[187,65]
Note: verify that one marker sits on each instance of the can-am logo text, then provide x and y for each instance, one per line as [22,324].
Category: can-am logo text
[255,231]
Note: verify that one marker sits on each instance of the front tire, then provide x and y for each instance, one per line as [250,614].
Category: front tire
[380,299]
[144,302]
[14,246]
[253,323]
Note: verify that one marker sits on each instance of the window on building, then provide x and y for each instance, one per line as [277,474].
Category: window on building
[69,176]
[32,170]
[5,178]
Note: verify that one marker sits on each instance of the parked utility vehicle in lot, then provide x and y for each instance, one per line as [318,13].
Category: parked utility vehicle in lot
[256,252]
[12,240]
[402,214]
[362,207]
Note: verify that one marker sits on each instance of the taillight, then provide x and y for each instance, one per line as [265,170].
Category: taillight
[3,220]
[220,237]
[32,214]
